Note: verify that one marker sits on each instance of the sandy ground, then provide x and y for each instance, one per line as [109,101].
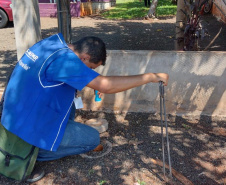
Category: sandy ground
[198,149]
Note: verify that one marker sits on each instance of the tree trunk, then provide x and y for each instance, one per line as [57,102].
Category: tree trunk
[64,19]
[151,12]
[180,24]
[27,28]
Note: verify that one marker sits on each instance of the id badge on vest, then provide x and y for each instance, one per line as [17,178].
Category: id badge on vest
[78,102]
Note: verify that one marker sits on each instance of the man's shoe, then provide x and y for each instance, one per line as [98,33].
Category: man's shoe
[99,148]
[36,175]
[100,151]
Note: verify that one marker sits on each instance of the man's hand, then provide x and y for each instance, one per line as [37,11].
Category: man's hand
[99,94]
[164,77]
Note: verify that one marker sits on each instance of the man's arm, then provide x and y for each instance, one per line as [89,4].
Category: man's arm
[114,84]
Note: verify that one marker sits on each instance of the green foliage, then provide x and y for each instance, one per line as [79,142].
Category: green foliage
[187,127]
[91,171]
[165,2]
[133,9]
[126,1]
[127,10]
[141,182]
[102,182]
[166,10]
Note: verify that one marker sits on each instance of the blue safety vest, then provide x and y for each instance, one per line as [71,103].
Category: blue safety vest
[41,90]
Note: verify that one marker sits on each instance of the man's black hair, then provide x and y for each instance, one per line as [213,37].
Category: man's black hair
[94,47]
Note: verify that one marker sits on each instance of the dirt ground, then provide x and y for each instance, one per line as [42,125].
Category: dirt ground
[198,149]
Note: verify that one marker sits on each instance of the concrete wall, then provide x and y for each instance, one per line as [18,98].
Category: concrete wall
[197,83]
[98,6]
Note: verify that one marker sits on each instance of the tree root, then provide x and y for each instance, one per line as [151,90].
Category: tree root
[178,175]
[213,40]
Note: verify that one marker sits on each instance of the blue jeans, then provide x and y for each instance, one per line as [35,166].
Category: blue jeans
[78,138]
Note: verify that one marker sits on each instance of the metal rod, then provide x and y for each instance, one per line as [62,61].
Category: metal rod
[163,148]
[162,103]
[167,136]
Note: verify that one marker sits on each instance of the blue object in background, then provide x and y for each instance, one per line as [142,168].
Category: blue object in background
[97,98]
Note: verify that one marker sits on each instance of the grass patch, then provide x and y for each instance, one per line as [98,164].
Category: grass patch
[166,10]
[133,9]
[129,10]
[126,1]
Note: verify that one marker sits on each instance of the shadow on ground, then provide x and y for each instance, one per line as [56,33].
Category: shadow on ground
[196,153]
[129,35]
[7,65]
